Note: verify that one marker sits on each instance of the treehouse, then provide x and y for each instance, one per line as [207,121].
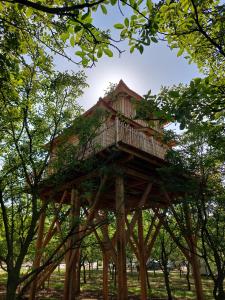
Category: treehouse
[124,177]
[128,144]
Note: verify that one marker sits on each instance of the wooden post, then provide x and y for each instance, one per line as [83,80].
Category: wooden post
[117,130]
[196,274]
[105,276]
[71,285]
[121,240]
[142,257]
[38,254]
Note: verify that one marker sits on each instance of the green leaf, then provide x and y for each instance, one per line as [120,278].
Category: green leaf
[104,10]
[64,36]
[132,49]
[207,80]
[123,33]
[118,26]
[198,80]
[72,41]
[174,94]
[85,16]
[154,39]
[218,115]
[77,28]
[85,62]
[180,52]
[78,36]
[99,53]
[108,52]
[71,29]
[80,53]
[141,49]
[126,22]
[149,5]
[29,12]
[113,2]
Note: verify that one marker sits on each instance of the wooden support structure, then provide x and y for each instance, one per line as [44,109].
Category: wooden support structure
[38,253]
[138,151]
[121,240]
[105,271]
[105,283]
[142,257]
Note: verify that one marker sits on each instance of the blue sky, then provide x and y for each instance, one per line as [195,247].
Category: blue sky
[157,66]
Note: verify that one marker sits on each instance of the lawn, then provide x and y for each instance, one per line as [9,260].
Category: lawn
[92,289]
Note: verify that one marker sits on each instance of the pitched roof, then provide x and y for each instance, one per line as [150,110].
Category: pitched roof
[123,88]
[120,88]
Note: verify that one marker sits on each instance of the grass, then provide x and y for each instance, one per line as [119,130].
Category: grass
[92,289]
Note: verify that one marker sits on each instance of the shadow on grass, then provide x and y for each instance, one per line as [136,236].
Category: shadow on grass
[92,288]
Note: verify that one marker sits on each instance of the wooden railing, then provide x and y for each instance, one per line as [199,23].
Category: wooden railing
[116,132]
[122,132]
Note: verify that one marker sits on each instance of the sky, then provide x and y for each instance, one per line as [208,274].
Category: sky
[157,66]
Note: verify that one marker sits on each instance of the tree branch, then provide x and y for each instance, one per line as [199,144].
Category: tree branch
[62,11]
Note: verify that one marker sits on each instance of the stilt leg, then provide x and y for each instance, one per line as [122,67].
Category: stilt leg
[142,258]
[105,276]
[121,240]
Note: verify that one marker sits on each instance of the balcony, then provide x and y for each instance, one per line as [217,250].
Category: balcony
[119,131]
[114,134]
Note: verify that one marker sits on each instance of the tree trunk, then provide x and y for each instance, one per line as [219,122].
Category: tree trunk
[167,283]
[89,270]
[164,258]
[218,291]
[12,284]
[84,274]
[131,266]
[148,282]
[114,274]
[188,276]
[196,275]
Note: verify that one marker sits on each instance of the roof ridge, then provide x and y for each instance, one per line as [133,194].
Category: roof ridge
[122,87]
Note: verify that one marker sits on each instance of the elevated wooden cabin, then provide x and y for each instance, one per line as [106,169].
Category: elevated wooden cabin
[132,145]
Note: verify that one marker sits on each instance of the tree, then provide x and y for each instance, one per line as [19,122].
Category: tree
[201,165]
[55,27]
[37,103]
[165,252]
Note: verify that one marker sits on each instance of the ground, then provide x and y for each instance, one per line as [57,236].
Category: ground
[92,289]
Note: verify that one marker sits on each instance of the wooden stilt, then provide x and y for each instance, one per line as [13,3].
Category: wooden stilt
[121,240]
[38,254]
[105,287]
[141,246]
[142,258]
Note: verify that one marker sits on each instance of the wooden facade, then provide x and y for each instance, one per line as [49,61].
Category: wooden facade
[132,151]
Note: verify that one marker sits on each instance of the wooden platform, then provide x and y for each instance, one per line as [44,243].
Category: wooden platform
[138,168]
